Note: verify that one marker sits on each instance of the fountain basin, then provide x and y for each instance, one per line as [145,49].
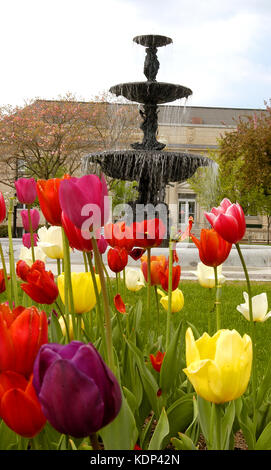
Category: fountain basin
[151,92]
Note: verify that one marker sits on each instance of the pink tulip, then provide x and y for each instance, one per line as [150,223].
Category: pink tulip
[35,219]
[27,239]
[2,208]
[228,220]
[82,200]
[26,190]
[102,244]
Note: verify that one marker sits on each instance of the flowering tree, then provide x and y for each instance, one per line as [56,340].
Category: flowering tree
[46,139]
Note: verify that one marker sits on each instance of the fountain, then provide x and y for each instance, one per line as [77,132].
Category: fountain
[146,162]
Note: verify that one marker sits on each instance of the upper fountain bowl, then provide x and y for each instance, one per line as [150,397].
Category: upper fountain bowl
[150,92]
[152,40]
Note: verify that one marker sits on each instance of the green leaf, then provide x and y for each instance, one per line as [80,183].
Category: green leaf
[146,433]
[264,386]
[204,410]
[180,415]
[264,441]
[8,438]
[227,424]
[131,399]
[170,366]
[161,431]
[183,443]
[122,433]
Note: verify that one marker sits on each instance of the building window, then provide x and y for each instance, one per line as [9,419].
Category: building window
[187,208]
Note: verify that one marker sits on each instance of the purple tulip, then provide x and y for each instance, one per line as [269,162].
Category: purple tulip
[83,199]
[26,190]
[35,219]
[78,393]
[27,239]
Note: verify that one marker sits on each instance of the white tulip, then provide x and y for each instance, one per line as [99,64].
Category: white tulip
[134,279]
[50,241]
[26,255]
[206,275]
[259,307]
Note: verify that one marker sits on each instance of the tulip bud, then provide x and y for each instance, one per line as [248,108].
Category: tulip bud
[26,190]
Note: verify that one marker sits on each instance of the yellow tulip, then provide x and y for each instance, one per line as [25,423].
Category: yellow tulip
[219,367]
[83,291]
[70,326]
[177,300]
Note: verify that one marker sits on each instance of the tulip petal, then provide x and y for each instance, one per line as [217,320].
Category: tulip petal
[205,377]
[119,304]
[64,384]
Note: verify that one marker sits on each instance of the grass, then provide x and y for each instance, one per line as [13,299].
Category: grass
[198,304]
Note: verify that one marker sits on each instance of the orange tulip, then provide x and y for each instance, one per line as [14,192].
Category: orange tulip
[213,249]
[48,195]
[19,405]
[22,332]
[157,360]
[158,264]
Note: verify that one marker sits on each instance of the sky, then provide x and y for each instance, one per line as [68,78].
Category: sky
[220,49]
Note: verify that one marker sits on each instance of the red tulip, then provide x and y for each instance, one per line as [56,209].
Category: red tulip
[22,332]
[119,304]
[40,284]
[2,281]
[117,259]
[26,190]
[48,195]
[119,235]
[213,249]
[19,405]
[157,360]
[148,233]
[22,269]
[77,239]
[2,208]
[176,274]
[158,263]
[228,220]
[136,253]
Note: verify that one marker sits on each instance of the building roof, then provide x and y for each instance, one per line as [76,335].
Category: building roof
[202,115]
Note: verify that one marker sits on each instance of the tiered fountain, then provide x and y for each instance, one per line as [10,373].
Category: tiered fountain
[146,162]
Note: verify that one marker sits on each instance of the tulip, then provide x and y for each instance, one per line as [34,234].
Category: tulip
[86,194]
[26,255]
[117,259]
[48,195]
[3,210]
[176,274]
[177,300]
[84,297]
[35,219]
[26,239]
[26,190]
[206,275]
[137,253]
[78,392]
[119,304]
[76,237]
[51,242]
[157,360]
[40,284]
[2,281]
[158,263]
[22,270]
[219,367]
[148,233]
[102,244]
[22,332]
[228,220]
[119,235]
[134,279]
[19,405]
[213,249]
[259,307]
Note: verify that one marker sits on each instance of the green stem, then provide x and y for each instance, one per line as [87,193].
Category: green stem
[94,441]
[158,310]
[170,263]
[58,267]
[7,284]
[85,261]
[98,305]
[252,333]
[68,294]
[11,255]
[148,315]
[217,300]
[108,328]
[117,282]
[65,321]
[31,232]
